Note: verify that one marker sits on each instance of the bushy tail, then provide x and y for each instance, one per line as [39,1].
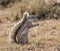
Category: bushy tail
[12,34]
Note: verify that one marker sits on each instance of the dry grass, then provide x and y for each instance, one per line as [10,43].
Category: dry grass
[44,37]
[15,11]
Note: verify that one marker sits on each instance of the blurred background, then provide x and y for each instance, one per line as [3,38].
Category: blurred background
[45,37]
[45,9]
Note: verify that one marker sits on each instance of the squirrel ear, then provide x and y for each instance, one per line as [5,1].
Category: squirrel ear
[26,14]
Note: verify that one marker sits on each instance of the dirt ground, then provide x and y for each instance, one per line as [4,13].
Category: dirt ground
[45,37]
